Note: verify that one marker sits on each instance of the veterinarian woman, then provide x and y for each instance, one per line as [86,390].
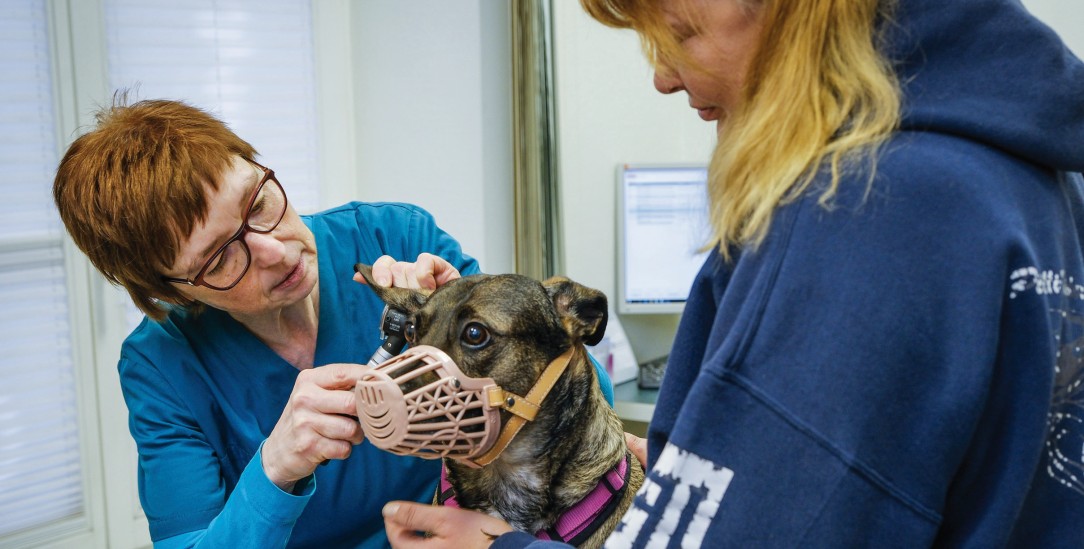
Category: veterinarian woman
[884,349]
[238,382]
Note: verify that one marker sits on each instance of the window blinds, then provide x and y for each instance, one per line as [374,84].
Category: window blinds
[40,467]
[249,62]
[27,142]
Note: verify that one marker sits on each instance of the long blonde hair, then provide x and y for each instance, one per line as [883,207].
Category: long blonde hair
[818,94]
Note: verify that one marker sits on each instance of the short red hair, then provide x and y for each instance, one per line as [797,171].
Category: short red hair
[131,190]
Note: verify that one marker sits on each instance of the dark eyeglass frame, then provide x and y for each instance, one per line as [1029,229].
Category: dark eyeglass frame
[268,175]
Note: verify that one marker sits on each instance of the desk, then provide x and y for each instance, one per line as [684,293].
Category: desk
[633,403]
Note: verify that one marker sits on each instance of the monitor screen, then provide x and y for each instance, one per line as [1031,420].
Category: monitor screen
[662,221]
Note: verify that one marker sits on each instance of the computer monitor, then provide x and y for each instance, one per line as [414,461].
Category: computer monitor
[662,222]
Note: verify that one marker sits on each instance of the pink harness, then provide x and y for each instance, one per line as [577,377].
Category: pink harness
[583,519]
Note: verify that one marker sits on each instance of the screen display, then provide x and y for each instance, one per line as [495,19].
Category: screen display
[662,223]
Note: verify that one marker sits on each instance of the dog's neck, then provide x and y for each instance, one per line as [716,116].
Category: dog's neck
[554,462]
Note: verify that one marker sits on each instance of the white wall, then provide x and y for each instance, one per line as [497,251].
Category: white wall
[432,89]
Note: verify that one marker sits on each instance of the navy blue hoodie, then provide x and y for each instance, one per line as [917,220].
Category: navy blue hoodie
[905,369]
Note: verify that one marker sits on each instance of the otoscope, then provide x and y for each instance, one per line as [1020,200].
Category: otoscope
[392,323]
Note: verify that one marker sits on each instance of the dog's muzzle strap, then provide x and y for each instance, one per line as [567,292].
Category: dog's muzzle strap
[520,406]
[523,409]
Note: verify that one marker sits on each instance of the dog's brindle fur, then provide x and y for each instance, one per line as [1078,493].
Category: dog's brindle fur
[558,458]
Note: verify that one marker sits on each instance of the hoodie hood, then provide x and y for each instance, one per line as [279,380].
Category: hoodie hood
[989,71]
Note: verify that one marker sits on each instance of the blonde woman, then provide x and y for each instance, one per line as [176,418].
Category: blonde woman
[885,347]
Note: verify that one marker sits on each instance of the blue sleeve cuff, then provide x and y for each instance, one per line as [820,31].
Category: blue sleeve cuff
[604,381]
[276,505]
[257,514]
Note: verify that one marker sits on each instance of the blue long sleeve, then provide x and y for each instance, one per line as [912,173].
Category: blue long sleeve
[259,514]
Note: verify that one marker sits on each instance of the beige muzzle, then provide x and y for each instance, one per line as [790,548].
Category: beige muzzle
[421,404]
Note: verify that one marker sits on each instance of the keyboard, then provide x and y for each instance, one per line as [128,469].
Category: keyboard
[650,373]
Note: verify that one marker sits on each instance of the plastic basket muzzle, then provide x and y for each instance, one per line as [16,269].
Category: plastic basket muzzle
[421,404]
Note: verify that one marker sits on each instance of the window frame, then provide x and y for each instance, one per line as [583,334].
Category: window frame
[98,311]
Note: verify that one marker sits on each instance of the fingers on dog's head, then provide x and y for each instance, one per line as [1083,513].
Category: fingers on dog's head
[582,310]
[366,272]
[403,299]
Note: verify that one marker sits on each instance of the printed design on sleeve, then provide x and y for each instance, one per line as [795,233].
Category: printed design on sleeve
[676,504]
[1065,424]
[1064,450]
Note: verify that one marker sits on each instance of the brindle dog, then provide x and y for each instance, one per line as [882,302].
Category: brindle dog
[509,328]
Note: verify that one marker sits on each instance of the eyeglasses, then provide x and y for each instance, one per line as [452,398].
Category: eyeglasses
[229,264]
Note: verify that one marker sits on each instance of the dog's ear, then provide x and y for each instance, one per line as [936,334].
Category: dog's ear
[582,309]
[403,299]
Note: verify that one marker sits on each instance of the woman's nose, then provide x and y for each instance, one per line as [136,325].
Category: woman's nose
[667,80]
[265,248]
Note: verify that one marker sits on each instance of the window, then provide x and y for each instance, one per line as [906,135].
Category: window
[248,62]
[68,463]
[41,468]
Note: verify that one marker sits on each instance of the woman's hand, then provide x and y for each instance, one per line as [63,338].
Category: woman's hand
[428,272]
[318,423]
[412,525]
[638,447]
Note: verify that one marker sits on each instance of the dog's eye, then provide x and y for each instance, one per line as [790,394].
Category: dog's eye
[475,335]
[410,332]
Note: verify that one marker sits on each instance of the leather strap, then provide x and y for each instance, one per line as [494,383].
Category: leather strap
[523,409]
[499,398]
